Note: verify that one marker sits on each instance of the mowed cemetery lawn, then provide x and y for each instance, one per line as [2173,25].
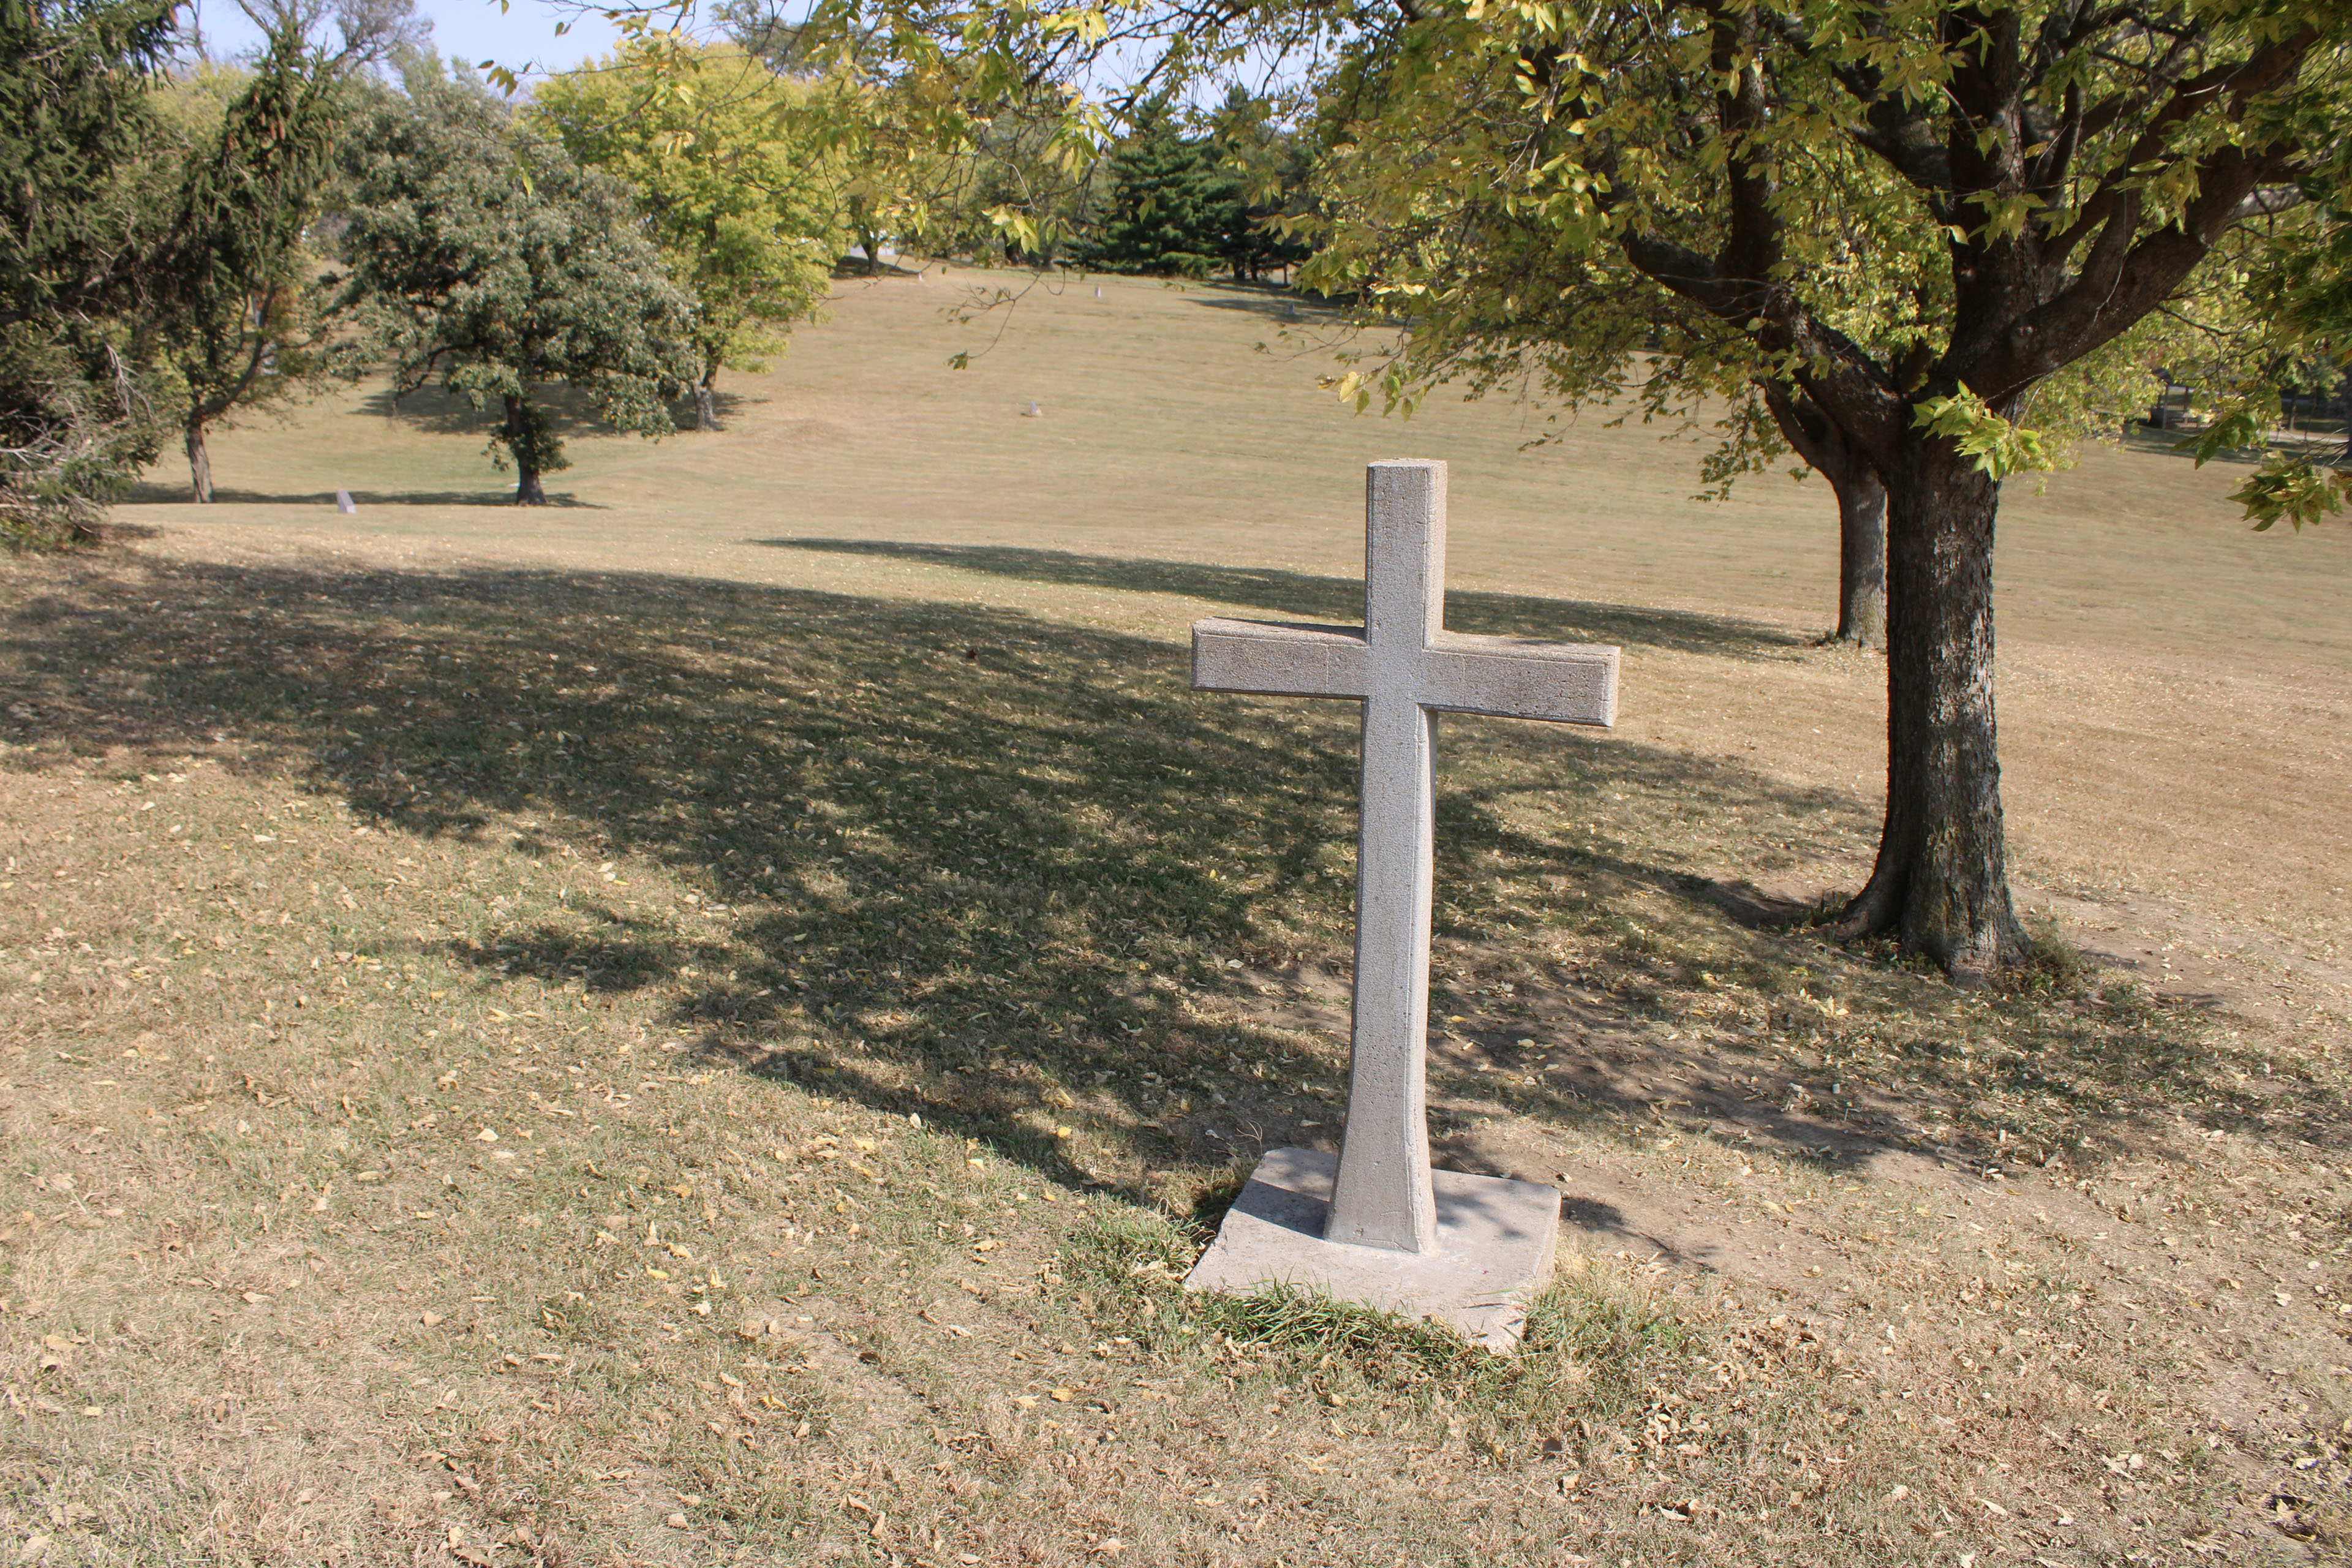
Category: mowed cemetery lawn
[706,1023]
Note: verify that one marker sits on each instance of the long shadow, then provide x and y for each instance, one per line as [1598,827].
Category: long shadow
[969,858]
[1334,598]
[152,493]
[429,409]
[1278,306]
[2324,448]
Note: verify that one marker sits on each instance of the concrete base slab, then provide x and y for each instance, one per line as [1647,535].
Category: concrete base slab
[1495,1242]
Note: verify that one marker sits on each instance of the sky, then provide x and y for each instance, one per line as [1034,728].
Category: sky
[523,38]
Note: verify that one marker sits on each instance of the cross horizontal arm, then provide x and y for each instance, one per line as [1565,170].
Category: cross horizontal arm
[1270,658]
[1514,678]
[1508,678]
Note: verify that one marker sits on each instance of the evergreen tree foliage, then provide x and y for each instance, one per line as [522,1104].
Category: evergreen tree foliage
[79,216]
[1171,209]
[1269,166]
[479,254]
[238,323]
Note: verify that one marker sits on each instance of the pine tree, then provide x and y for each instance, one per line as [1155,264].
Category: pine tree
[1171,209]
[78,220]
[238,301]
[1267,169]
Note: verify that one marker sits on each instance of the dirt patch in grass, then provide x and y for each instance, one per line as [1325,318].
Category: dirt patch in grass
[524,1066]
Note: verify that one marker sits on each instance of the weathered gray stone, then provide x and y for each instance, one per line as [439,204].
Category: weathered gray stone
[1381,1209]
[1405,668]
[1492,1254]
[345,503]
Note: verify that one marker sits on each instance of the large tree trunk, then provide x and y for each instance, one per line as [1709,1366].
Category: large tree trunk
[1862,512]
[1861,557]
[200,460]
[1942,879]
[706,412]
[522,440]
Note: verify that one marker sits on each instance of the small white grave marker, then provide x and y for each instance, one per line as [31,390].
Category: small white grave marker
[345,503]
[1384,1227]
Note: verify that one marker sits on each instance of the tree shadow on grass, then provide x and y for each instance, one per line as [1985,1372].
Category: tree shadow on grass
[150,493]
[1336,598]
[1274,305]
[990,889]
[569,412]
[2323,447]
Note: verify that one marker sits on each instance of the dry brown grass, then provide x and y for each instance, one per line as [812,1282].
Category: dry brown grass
[840,942]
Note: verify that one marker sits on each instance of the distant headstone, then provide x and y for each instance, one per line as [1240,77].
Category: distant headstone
[343,502]
[1378,1225]
[1034,412]
[1098,291]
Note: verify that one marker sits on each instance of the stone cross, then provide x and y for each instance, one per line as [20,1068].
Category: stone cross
[1405,667]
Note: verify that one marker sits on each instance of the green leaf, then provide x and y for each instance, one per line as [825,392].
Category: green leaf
[2292,490]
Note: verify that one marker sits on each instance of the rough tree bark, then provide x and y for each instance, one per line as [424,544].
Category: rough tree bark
[522,440]
[1861,558]
[705,411]
[1861,513]
[200,460]
[1941,882]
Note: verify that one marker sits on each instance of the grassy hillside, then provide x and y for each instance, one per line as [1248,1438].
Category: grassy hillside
[704,1022]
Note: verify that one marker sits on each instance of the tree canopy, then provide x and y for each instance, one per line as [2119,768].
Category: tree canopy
[1171,207]
[240,323]
[80,213]
[727,162]
[480,255]
[1909,218]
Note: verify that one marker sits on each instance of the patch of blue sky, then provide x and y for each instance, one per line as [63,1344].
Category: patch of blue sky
[522,36]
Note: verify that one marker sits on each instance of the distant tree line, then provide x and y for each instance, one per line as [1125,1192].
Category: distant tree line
[183,242]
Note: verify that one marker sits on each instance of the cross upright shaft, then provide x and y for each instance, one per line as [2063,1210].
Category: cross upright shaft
[1405,668]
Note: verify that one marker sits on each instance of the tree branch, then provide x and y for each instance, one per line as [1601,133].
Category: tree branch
[1752,254]
[2265,68]
[2107,298]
